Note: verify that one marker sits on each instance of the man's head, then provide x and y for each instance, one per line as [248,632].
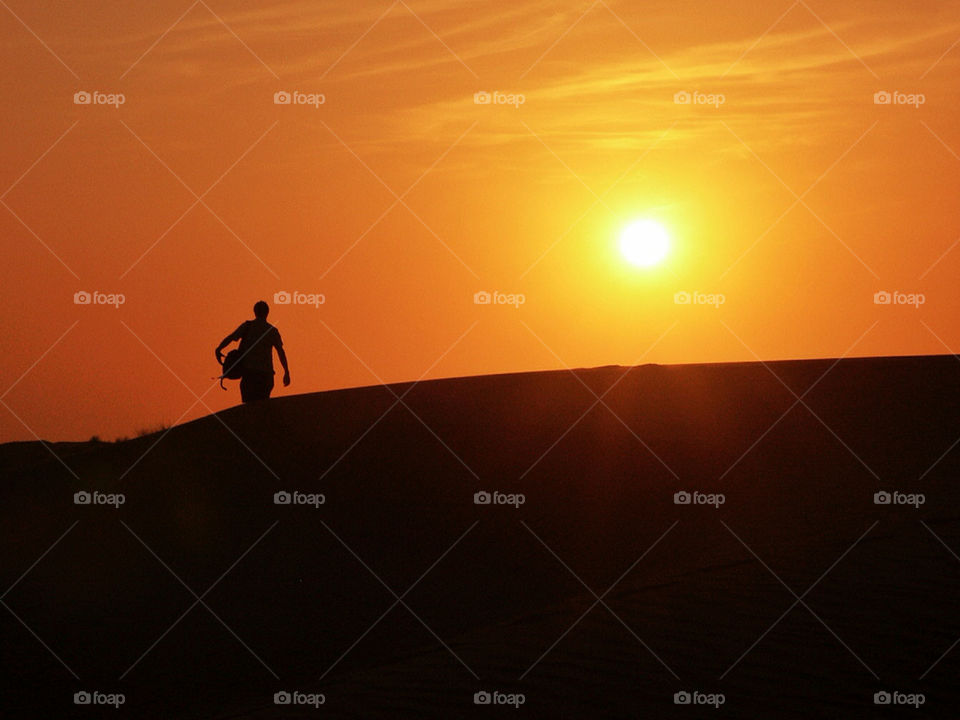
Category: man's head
[261,310]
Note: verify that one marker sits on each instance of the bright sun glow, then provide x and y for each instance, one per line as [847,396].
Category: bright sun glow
[644,243]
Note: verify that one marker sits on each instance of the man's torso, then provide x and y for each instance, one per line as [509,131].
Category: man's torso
[257,341]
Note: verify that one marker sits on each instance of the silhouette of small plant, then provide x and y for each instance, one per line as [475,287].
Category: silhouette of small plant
[143,432]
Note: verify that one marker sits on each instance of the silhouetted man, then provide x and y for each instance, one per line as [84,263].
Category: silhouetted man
[257,339]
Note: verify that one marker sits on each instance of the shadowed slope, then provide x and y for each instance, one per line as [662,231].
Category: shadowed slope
[497,589]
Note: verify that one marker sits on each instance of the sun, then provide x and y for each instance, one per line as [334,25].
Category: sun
[644,243]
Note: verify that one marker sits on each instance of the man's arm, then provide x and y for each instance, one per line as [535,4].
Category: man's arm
[278,344]
[235,335]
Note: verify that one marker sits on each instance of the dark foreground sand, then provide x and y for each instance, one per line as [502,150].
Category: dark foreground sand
[599,597]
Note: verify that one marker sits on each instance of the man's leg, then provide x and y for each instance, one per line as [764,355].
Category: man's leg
[255,386]
[246,391]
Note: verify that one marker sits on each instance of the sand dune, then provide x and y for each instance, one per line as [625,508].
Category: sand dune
[598,597]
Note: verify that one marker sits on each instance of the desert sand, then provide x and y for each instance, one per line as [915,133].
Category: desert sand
[597,597]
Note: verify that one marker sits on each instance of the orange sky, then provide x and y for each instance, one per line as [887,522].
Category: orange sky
[526,199]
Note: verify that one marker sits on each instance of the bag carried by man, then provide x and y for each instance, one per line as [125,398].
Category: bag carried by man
[232,369]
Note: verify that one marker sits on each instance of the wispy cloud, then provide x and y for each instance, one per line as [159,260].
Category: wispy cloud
[800,75]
